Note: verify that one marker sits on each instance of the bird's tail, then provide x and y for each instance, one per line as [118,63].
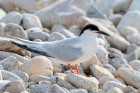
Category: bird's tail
[34,47]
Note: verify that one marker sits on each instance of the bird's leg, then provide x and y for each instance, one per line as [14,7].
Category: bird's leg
[69,67]
[76,68]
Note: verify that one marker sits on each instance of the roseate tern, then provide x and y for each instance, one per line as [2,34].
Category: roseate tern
[67,51]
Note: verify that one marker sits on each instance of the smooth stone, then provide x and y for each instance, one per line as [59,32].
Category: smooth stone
[2,25]
[40,88]
[115,19]
[114,90]
[39,78]
[88,83]
[75,30]
[98,91]
[121,80]
[135,5]
[57,27]
[56,89]
[131,18]
[2,13]
[102,55]
[4,55]
[68,17]
[117,61]
[134,38]
[131,48]
[10,63]
[128,30]
[102,80]
[60,75]
[12,17]
[36,33]
[23,75]
[12,29]
[99,71]
[111,84]
[1,67]
[113,39]
[6,45]
[38,65]
[131,77]
[57,68]
[3,83]
[30,20]
[115,51]
[6,75]
[13,87]
[86,65]
[101,42]
[135,64]
[135,55]
[129,89]
[110,68]
[54,36]
[77,91]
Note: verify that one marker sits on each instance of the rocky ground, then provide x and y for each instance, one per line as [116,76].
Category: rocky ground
[115,68]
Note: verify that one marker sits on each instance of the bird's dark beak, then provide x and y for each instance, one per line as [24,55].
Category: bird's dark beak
[101,32]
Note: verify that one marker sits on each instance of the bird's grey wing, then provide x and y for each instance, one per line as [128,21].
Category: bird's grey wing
[66,50]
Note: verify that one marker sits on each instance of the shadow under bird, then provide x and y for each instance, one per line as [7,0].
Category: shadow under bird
[68,51]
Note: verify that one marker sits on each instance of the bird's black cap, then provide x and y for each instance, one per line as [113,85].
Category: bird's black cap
[91,27]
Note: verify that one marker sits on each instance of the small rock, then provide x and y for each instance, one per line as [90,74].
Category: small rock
[99,71]
[30,20]
[54,36]
[115,90]
[115,19]
[131,48]
[93,60]
[40,88]
[131,18]
[135,55]
[128,30]
[10,63]
[111,84]
[12,17]
[110,68]
[117,61]
[134,5]
[14,30]
[102,55]
[131,77]
[98,91]
[6,75]
[90,84]
[38,65]
[2,25]
[77,91]
[1,67]
[134,38]
[56,89]
[37,33]
[121,80]
[102,80]
[13,87]
[57,68]
[24,76]
[60,75]
[101,42]
[129,89]
[135,64]
[39,78]
[115,51]
[2,13]
[75,30]
[57,27]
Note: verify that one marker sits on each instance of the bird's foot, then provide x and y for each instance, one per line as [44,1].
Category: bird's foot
[76,68]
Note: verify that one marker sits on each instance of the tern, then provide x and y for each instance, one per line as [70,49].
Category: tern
[67,51]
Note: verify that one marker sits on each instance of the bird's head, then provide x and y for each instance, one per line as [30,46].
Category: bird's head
[93,29]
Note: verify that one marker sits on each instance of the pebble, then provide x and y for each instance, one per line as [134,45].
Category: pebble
[115,90]
[131,48]
[115,51]
[99,71]
[13,87]
[129,89]
[112,84]
[12,17]
[77,91]
[131,77]
[134,38]
[10,63]
[110,68]
[75,30]
[23,75]
[30,20]
[36,33]
[2,25]
[135,64]
[2,13]
[12,29]
[38,65]
[54,36]
[88,83]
